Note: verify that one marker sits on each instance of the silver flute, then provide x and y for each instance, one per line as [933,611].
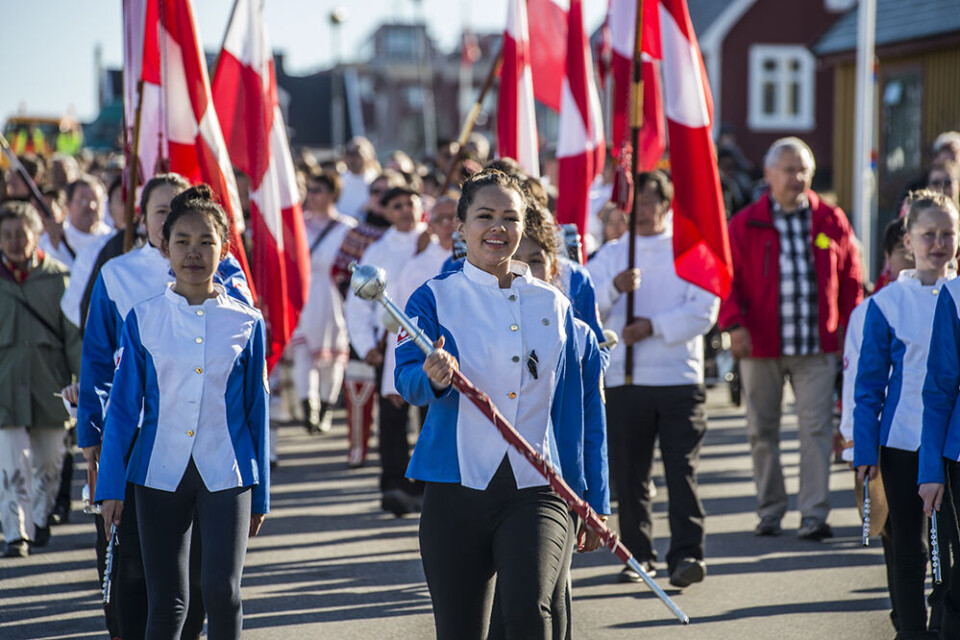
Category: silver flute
[935,549]
[866,511]
[108,572]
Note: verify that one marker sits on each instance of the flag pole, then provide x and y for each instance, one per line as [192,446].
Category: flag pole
[133,172]
[223,42]
[471,120]
[636,122]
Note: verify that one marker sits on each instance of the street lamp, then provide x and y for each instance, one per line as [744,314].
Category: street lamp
[338,16]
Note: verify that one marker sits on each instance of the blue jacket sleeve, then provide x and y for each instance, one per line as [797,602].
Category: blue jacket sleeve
[230,274]
[408,375]
[567,413]
[595,464]
[255,399]
[583,295]
[873,374]
[939,387]
[123,413]
[100,341]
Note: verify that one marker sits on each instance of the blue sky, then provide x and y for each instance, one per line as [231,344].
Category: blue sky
[47,47]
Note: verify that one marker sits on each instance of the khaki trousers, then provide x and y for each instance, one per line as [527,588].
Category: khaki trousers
[30,462]
[812,378]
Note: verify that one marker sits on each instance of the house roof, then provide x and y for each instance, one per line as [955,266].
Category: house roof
[897,21]
[704,12]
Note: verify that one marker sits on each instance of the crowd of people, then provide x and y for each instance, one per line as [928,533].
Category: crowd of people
[157,356]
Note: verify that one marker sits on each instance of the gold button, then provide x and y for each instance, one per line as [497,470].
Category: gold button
[199,312]
[199,369]
[514,327]
[935,291]
[198,339]
[512,298]
[516,358]
[546,322]
[190,433]
[511,395]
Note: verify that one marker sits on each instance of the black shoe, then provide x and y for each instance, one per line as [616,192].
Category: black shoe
[813,529]
[629,575]
[324,418]
[688,571]
[59,515]
[42,537]
[17,549]
[310,420]
[399,502]
[769,526]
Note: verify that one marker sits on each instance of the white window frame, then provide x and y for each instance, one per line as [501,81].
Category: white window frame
[757,120]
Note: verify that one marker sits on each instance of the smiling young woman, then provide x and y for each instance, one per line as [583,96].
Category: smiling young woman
[486,510]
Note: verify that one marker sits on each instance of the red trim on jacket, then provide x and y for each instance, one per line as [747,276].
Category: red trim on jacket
[754,302]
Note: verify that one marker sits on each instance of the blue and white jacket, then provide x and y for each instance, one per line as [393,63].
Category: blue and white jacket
[595,464]
[574,281]
[941,421]
[122,283]
[493,333]
[892,365]
[198,372]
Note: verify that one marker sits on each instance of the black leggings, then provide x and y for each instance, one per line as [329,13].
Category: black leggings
[524,537]
[166,522]
[130,587]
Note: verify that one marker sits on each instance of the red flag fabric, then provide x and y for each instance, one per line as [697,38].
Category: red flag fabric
[548,49]
[245,95]
[516,119]
[701,246]
[652,140]
[580,143]
[179,130]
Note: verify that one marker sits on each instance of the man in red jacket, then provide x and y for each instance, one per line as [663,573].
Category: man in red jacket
[796,280]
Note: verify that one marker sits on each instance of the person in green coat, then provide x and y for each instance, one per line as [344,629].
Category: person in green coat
[39,356]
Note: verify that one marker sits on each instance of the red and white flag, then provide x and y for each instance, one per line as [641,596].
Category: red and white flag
[516,119]
[548,49]
[622,19]
[701,247]
[179,130]
[580,144]
[245,95]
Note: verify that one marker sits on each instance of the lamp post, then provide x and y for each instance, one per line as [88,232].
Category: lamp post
[338,16]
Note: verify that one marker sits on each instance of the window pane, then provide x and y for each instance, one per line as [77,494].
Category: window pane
[793,99]
[769,99]
[794,64]
[770,64]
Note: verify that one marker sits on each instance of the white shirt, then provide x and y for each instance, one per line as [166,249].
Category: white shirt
[354,192]
[680,313]
[77,239]
[79,277]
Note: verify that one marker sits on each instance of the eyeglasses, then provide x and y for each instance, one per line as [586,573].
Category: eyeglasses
[940,184]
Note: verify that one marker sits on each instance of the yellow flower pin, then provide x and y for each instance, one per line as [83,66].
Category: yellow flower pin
[822,241]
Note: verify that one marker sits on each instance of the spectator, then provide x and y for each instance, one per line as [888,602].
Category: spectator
[944,177]
[796,280]
[83,224]
[362,168]
[40,354]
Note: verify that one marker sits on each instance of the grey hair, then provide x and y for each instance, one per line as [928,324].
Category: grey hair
[794,144]
[947,139]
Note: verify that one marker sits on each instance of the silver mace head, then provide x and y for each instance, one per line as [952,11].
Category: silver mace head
[368,282]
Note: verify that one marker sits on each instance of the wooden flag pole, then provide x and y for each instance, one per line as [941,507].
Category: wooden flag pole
[636,122]
[133,173]
[471,120]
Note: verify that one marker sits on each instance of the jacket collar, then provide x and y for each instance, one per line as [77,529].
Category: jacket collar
[763,209]
[481,277]
[909,278]
[180,301]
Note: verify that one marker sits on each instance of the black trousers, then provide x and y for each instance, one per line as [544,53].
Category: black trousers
[129,591]
[166,522]
[394,447]
[636,417]
[908,541]
[524,537]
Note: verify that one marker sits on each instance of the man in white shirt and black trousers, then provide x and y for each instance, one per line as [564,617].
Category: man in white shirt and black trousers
[665,396]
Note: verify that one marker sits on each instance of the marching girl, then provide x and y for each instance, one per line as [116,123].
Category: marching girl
[123,282]
[486,511]
[888,411]
[192,359]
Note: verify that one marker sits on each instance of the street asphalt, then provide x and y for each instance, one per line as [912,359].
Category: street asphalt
[330,564]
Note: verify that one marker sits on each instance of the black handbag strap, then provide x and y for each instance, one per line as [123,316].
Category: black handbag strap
[323,234]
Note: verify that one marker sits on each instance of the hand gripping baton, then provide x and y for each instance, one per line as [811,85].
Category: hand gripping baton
[369,283]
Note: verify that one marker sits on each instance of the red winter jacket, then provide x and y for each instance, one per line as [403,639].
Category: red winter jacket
[754,300]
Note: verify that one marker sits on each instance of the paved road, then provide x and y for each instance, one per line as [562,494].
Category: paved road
[329,564]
